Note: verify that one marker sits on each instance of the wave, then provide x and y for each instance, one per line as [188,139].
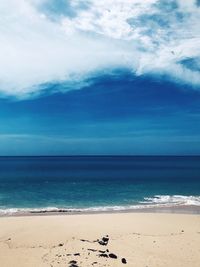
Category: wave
[157,201]
[173,200]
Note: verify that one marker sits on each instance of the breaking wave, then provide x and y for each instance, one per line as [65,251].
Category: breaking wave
[157,201]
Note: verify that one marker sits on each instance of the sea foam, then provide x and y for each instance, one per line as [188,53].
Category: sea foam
[157,201]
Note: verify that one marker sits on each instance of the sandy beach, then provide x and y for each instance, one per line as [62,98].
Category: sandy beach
[123,239]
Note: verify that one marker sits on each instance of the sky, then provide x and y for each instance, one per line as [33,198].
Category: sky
[109,77]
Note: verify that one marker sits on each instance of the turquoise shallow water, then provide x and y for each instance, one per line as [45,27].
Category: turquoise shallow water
[97,183]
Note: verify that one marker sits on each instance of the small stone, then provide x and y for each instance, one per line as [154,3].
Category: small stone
[77,254]
[102,251]
[105,239]
[73,262]
[93,250]
[113,256]
[103,255]
[102,243]
[124,261]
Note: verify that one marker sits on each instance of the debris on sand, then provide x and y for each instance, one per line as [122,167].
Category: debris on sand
[124,261]
[112,256]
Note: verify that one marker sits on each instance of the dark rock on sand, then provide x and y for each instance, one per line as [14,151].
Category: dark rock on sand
[103,255]
[102,243]
[73,262]
[85,240]
[113,256]
[102,251]
[124,261]
[76,254]
[61,244]
[93,250]
[105,239]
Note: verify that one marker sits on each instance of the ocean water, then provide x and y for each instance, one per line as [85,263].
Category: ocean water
[95,183]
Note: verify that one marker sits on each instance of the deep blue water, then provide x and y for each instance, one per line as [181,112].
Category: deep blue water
[98,181]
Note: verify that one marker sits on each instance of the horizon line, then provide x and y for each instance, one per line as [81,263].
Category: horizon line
[101,155]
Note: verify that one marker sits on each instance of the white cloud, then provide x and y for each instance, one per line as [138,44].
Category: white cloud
[143,36]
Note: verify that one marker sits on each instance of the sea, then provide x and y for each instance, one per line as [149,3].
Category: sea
[97,183]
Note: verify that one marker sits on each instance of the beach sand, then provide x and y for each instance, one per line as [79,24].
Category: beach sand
[142,239]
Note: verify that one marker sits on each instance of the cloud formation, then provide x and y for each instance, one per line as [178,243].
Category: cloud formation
[49,41]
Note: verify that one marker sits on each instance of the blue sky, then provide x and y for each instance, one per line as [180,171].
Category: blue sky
[99,77]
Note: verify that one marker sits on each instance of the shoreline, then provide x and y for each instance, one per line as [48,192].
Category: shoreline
[188,210]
